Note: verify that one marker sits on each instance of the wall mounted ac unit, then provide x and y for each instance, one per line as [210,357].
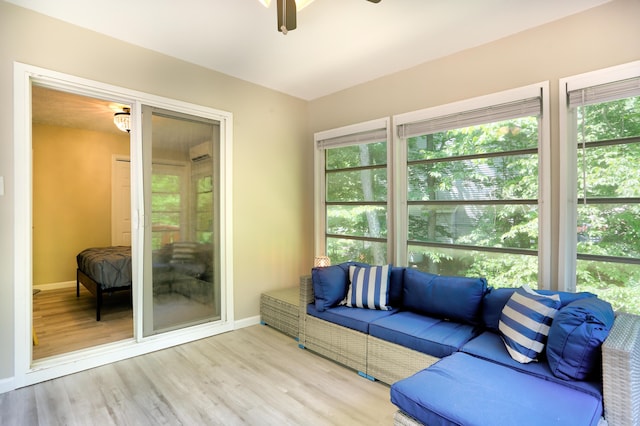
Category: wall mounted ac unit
[201,151]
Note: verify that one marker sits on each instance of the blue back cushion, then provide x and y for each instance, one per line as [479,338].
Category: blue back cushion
[396,286]
[329,286]
[575,338]
[453,298]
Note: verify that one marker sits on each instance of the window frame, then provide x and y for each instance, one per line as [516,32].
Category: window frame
[567,245]
[320,218]
[180,170]
[544,167]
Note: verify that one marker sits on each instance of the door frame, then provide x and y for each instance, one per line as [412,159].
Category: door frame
[26,371]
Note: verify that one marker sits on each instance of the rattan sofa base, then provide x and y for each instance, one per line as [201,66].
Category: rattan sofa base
[279,309]
[341,344]
[400,418]
[621,372]
[389,362]
[373,358]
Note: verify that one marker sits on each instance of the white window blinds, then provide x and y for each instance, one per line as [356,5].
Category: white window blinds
[604,92]
[491,114]
[365,137]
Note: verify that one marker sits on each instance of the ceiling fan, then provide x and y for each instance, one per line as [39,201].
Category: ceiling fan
[287,15]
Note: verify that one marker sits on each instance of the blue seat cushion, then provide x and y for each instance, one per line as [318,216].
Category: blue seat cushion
[433,336]
[464,390]
[354,318]
[489,346]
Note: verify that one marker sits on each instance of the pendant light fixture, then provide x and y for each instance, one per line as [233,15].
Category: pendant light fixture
[123,119]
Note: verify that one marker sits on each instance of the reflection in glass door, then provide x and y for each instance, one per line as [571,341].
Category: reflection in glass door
[181,181]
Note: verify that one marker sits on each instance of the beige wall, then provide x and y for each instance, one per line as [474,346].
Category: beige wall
[71,197]
[598,38]
[272,152]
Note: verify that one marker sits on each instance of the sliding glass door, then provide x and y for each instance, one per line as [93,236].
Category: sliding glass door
[181,178]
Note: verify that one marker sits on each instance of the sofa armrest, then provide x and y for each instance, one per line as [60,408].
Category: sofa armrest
[306,297]
[621,372]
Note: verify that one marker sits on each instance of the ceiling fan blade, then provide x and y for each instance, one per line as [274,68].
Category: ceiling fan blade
[374,1]
[286,15]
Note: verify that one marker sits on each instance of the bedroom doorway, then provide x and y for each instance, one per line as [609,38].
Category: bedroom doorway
[75,191]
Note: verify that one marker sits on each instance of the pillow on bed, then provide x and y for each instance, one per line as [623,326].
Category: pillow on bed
[184,252]
[186,259]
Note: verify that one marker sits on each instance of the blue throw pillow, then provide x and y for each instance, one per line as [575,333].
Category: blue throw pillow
[369,287]
[575,338]
[496,298]
[454,298]
[525,323]
[329,286]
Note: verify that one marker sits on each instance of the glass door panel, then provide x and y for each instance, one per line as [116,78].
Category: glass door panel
[181,192]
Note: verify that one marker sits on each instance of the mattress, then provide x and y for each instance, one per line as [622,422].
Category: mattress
[110,267]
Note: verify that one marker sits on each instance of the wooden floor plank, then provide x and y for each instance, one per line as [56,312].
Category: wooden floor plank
[65,323]
[252,376]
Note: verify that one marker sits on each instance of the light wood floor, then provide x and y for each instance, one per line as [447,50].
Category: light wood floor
[251,376]
[65,323]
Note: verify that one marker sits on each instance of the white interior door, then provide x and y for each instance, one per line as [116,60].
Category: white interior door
[121,202]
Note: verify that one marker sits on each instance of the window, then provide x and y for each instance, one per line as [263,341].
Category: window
[602,224]
[204,214]
[353,185]
[473,185]
[167,204]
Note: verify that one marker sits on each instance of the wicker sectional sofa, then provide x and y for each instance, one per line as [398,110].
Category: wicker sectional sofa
[414,369]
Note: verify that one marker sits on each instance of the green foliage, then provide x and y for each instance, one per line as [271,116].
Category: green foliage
[344,250]
[478,187]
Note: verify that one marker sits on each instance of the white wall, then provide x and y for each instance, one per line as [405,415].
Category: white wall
[272,151]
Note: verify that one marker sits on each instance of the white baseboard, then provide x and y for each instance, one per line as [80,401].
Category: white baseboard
[55,286]
[246,322]
[7,385]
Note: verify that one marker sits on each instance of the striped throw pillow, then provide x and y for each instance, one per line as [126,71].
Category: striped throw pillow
[525,323]
[368,287]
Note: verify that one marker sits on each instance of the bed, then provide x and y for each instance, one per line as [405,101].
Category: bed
[104,270]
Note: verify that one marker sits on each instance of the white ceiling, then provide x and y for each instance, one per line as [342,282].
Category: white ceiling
[338,43]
